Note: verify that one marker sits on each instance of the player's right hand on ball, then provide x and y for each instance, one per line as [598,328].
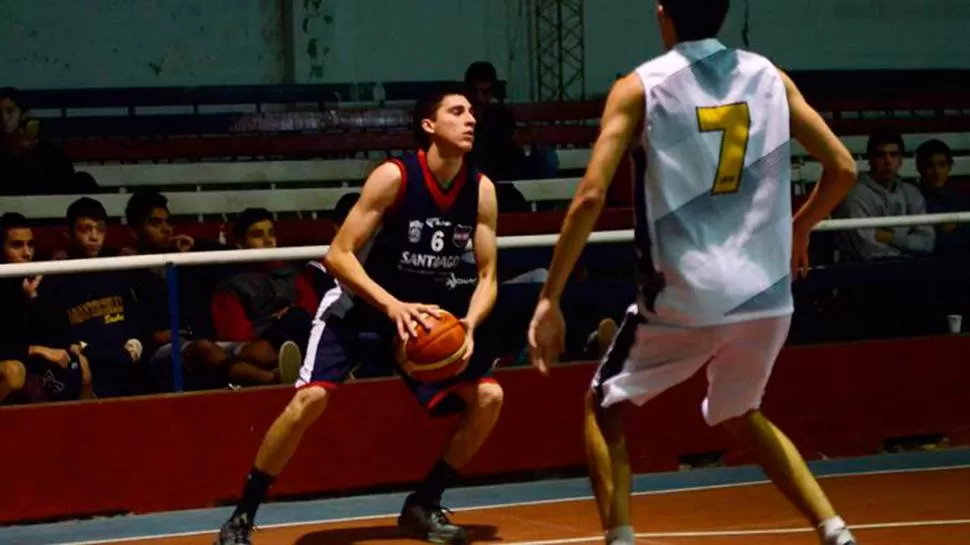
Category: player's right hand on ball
[407,317]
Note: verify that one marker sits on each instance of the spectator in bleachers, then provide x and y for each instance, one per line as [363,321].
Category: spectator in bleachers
[497,152]
[94,310]
[934,159]
[314,272]
[39,373]
[881,192]
[210,363]
[266,300]
[29,164]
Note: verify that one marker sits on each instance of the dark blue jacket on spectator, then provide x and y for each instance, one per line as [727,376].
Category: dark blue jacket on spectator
[98,311]
[951,239]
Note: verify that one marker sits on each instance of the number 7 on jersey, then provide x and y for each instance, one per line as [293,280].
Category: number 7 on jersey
[733,121]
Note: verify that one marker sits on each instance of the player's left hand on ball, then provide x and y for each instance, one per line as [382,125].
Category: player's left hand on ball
[547,335]
[408,316]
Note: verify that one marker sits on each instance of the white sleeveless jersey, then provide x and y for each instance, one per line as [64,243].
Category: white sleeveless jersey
[713,207]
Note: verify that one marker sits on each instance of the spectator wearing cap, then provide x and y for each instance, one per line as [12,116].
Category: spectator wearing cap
[265,300]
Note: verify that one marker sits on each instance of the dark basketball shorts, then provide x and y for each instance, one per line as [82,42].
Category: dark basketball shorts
[349,345]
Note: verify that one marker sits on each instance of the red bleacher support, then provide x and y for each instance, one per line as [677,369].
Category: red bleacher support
[193,450]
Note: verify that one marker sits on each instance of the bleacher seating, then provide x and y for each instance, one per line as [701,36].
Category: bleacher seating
[309,159]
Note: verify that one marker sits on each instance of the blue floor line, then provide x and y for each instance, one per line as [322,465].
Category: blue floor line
[204,520]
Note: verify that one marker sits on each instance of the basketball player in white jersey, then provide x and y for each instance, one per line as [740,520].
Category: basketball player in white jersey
[718,248]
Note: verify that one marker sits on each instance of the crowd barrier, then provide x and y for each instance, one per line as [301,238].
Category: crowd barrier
[193,450]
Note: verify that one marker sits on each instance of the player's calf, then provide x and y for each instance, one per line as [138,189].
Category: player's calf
[279,445]
[423,516]
[787,469]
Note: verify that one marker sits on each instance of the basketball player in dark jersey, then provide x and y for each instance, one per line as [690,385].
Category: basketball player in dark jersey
[397,259]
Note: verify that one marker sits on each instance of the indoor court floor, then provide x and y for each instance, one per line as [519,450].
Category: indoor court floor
[912,498]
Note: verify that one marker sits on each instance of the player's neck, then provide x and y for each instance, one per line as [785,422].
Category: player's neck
[443,166]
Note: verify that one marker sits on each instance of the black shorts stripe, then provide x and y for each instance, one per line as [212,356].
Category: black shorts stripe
[612,362]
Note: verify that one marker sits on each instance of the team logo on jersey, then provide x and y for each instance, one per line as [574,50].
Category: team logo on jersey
[414,231]
[462,235]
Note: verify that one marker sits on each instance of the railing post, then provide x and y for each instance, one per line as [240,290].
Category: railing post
[172,283]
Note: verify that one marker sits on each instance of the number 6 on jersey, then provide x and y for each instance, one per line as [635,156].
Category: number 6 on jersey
[733,121]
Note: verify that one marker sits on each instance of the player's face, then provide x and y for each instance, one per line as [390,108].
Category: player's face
[88,236]
[885,161]
[18,246]
[156,232]
[454,124]
[936,171]
[10,114]
[261,234]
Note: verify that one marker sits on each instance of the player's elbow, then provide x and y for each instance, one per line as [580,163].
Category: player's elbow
[590,194]
[843,166]
[333,261]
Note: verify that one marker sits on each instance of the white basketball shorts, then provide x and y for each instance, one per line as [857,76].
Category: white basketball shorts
[645,360]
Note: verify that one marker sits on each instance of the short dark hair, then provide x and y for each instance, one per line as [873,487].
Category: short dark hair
[696,19]
[141,204]
[14,95]
[342,209]
[247,218]
[426,109]
[12,220]
[928,149]
[85,207]
[481,71]
[884,138]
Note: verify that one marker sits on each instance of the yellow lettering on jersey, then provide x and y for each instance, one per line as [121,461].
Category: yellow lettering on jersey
[733,121]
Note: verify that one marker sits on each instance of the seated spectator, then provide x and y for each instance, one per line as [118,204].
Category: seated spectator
[497,152]
[94,310]
[31,371]
[210,364]
[881,192]
[314,272]
[269,301]
[30,165]
[934,159]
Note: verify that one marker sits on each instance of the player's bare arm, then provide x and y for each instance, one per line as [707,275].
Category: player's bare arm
[621,117]
[838,170]
[378,194]
[486,251]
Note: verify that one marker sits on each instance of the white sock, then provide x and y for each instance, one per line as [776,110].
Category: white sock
[831,529]
[620,534]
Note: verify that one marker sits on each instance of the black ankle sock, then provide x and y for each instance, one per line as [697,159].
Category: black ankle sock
[440,477]
[257,485]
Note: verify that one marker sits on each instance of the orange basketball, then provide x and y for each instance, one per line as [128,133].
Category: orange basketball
[435,354]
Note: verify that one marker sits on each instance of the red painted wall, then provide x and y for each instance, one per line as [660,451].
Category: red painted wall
[193,450]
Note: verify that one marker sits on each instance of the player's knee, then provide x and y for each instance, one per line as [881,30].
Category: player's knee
[307,405]
[205,353]
[489,397]
[13,374]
